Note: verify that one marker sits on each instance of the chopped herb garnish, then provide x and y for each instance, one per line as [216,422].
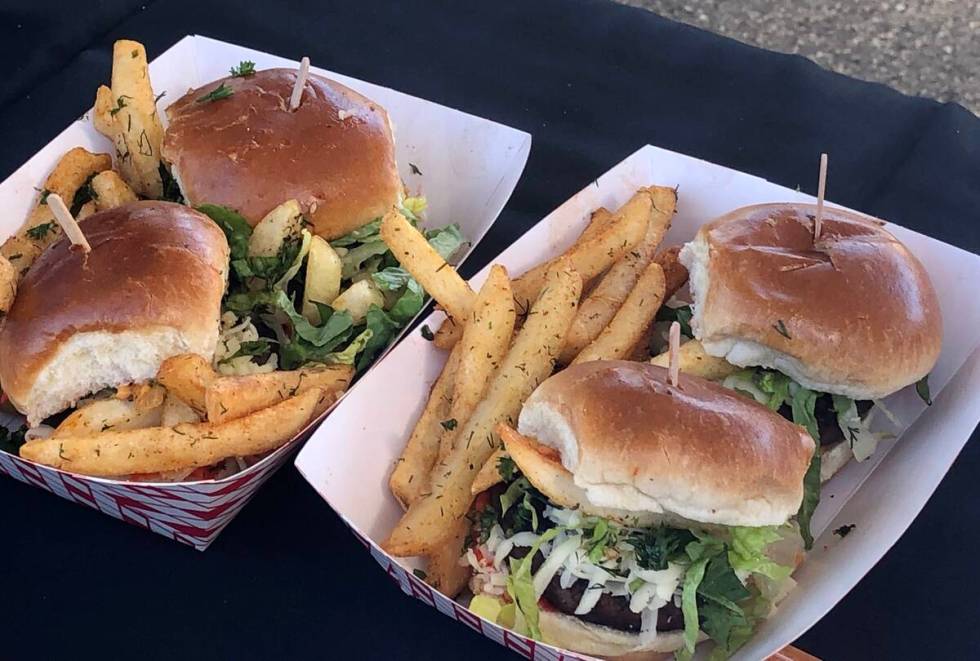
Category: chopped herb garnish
[449,425]
[38,232]
[781,329]
[415,169]
[120,104]
[844,530]
[244,69]
[427,333]
[922,389]
[222,91]
[420,574]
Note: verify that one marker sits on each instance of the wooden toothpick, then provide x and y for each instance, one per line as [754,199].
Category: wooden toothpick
[674,338]
[821,189]
[68,224]
[301,76]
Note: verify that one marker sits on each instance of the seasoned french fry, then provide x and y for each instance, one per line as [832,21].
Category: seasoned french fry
[230,397]
[444,572]
[605,299]
[187,377]
[675,273]
[8,283]
[430,521]
[448,334]
[160,449]
[127,115]
[692,359]
[486,339]
[489,474]
[176,411]
[41,229]
[598,221]
[115,414]
[591,257]
[111,191]
[631,321]
[409,480]
[440,280]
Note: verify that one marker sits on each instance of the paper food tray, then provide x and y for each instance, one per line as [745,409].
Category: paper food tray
[894,483]
[469,169]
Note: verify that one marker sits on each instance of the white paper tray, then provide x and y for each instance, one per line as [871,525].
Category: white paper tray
[349,458]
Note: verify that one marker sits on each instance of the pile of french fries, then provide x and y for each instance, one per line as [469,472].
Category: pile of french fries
[190,417]
[597,301]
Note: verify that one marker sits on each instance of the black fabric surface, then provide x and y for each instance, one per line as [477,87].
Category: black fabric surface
[592,82]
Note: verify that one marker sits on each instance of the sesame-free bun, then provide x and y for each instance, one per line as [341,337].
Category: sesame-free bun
[335,154]
[698,451]
[854,315]
[151,288]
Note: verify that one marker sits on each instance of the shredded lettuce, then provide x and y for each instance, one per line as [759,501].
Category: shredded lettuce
[347,356]
[446,240]
[689,607]
[747,551]
[413,207]
[520,584]
[235,227]
[361,234]
[304,249]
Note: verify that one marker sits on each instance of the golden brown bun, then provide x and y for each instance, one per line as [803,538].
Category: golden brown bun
[861,314]
[698,451]
[335,154]
[151,288]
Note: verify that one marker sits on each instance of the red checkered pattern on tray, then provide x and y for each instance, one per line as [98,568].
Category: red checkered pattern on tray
[415,587]
[192,513]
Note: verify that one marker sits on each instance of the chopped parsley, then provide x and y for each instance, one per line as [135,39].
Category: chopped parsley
[244,69]
[844,530]
[781,329]
[120,104]
[922,389]
[449,425]
[427,333]
[222,91]
[38,232]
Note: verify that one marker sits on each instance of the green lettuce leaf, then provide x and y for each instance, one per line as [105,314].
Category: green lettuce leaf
[689,607]
[775,385]
[319,336]
[383,329]
[235,227]
[355,258]
[446,240]
[520,584]
[681,315]
[747,551]
[411,298]
[347,356]
[361,234]
[803,404]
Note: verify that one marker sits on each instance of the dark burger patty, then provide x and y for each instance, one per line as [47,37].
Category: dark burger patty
[823,410]
[609,611]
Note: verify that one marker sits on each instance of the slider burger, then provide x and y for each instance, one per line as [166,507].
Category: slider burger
[638,517]
[825,327]
[236,143]
[149,289]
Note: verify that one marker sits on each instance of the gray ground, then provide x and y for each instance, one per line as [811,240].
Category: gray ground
[931,48]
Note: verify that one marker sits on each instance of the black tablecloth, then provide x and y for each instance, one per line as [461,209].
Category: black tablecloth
[591,81]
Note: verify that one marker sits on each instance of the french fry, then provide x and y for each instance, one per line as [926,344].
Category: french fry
[440,280]
[176,411]
[111,191]
[115,414]
[448,334]
[675,273]
[8,283]
[591,257]
[409,480]
[429,522]
[127,115]
[160,449]
[187,376]
[41,229]
[486,338]
[631,321]
[675,277]
[489,474]
[444,571]
[230,397]
[605,299]
[692,359]
[598,221]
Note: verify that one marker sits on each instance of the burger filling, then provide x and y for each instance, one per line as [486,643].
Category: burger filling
[528,554]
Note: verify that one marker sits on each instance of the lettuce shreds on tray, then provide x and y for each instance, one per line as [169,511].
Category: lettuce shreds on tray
[263,326]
